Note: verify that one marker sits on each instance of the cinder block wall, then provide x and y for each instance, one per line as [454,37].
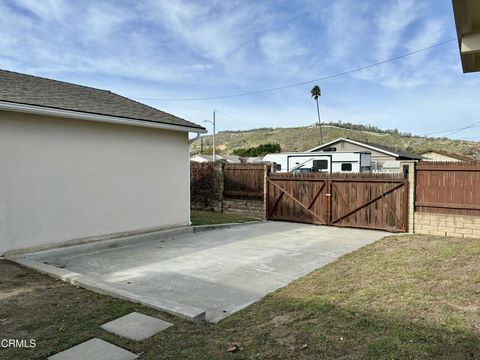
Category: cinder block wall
[247,207]
[447,225]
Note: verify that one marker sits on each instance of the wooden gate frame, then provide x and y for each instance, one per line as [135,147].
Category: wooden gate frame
[307,208]
[330,184]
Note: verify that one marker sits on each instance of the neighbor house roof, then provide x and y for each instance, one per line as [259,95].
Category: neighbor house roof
[23,92]
[377,147]
[449,154]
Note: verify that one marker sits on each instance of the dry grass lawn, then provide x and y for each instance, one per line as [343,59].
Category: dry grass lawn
[403,297]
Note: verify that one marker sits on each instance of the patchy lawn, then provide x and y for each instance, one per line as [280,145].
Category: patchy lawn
[199,217]
[403,297]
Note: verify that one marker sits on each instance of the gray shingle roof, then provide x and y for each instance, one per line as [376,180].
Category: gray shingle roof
[34,90]
[400,153]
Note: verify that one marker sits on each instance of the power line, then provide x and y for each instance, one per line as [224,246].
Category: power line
[453,131]
[304,82]
[234,118]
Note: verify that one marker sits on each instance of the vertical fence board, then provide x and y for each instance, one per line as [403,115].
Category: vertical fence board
[447,187]
[244,180]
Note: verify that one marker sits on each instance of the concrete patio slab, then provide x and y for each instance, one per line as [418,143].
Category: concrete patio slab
[136,326]
[182,310]
[94,349]
[217,271]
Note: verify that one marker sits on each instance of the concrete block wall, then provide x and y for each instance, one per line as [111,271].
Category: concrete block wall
[447,225]
[209,205]
[247,207]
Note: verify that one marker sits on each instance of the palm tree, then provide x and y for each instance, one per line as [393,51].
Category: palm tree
[316,93]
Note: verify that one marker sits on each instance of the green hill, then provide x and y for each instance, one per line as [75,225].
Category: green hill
[304,138]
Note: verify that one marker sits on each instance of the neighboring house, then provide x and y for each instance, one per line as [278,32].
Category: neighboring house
[79,163]
[231,159]
[380,154]
[467,21]
[438,155]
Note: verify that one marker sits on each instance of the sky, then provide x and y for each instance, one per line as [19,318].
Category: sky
[175,49]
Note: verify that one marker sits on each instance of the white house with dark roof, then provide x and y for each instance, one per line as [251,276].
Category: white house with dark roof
[79,163]
[383,157]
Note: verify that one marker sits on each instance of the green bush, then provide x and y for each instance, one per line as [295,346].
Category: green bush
[259,150]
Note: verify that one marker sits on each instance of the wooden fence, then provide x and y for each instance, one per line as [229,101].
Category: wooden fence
[345,200]
[244,180]
[447,187]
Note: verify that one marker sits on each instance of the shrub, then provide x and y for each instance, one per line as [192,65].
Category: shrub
[259,150]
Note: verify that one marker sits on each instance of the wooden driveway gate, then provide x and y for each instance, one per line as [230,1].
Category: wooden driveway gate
[346,200]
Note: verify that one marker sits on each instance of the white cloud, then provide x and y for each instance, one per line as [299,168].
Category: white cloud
[282,47]
[45,9]
[392,24]
[215,33]
[347,27]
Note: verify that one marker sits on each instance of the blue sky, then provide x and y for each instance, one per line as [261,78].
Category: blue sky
[188,49]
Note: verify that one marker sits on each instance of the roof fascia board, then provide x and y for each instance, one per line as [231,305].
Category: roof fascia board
[40,110]
[326,144]
[356,143]
[470,44]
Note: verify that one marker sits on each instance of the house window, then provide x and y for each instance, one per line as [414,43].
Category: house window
[278,167]
[320,165]
[346,167]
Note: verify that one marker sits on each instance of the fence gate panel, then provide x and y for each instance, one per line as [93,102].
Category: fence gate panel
[291,200]
[369,203]
[351,200]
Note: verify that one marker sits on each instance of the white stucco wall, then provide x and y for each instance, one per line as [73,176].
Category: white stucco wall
[63,179]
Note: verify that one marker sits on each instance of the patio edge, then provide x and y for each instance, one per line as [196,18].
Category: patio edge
[184,311]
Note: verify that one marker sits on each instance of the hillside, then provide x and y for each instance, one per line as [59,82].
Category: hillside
[304,138]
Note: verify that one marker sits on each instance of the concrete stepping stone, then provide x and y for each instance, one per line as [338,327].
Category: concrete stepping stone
[94,349]
[136,326]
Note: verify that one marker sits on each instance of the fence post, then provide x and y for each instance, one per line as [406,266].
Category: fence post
[329,202]
[266,172]
[408,168]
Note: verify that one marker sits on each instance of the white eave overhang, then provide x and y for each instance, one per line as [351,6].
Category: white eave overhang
[467,21]
[70,114]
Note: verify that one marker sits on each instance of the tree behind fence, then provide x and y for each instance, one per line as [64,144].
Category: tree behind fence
[206,185]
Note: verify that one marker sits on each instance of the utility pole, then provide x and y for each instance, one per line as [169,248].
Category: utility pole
[213,123]
[213,135]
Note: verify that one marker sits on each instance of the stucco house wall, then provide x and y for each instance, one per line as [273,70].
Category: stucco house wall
[64,179]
